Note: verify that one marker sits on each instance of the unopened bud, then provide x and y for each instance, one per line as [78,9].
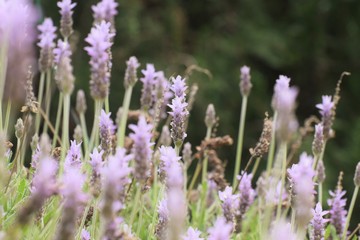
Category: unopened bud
[186,153]
[19,128]
[245,83]
[81,102]
[78,136]
[318,143]
[210,117]
[321,172]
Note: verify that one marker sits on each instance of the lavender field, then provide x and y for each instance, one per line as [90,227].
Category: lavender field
[72,168]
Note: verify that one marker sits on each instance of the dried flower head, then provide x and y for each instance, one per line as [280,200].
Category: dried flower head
[318,143]
[19,128]
[262,146]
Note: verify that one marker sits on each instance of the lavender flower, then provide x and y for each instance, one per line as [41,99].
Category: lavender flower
[230,203]
[17,38]
[99,40]
[74,200]
[130,73]
[337,211]
[318,223]
[178,86]
[302,187]
[245,83]
[43,186]
[105,11]
[46,44]
[142,148]
[115,179]
[325,110]
[73,157]
[85,235]
[179,115]
[148,86]
[163,220]
[210,117]
[97,165]
[246,198]
[284,104]
[282,230]
[318,143]
[107,131]
[161,96]
[167,158]
[192,234]
[66,11]
[320,172]
[221,230]
[64,71]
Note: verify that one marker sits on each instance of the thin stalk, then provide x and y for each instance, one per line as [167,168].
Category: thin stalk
[40,98]
[18,155]
[320,190]
[84,131]
[124,115]
[283,150]
[256,165]
[354,232]
[351,208]
[240,139]
[48,98]
[292,219]
[205,161]
[3,66]
[58,117]
[94,221]
[7,116]
[195,176]
[320,158]
[107,108]
[135,208]
[272,146]
[140,218]
[95,129]
[1,116]
[65,128]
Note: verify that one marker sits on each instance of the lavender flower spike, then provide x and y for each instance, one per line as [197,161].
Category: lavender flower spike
[64,71]
[178,86]
[99,40]
[46,44]
[192,234]
[73,157]
[107,131]
[97,165]
[179,115]
[130,73]
[337,211]
[163,220]
[282,230]
[325,110]
[318,143]
[245,83]
[229,204]
[105,10]
[318,223]
[167,158]
[66,11]
[142,148]
[148,86]
[221,230]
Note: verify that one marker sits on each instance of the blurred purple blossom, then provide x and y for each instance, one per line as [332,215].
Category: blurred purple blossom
[73,157]
[66,22]
[282,230]
[130,73]
[326,114]
[192,234]
[318,223]
[221,230]
[107,131]
[105,10]
[230,204]
[167,158]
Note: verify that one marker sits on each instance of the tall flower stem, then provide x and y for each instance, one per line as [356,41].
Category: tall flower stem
[283,151]
[320,158]
[272,146]
[85,133]
[95,129]
[3,67]
[135,207]
[240,139]
[58,117]
[351,208]
[65,129]
[40,98]
[48,98]
[123,119]
[320,193]
[107,108]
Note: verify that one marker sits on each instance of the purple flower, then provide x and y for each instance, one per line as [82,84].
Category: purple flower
[107,131]
[74,200]
[337,211]
[318,223]
[178,86]
[192,234]
[221,230]
[245,83]
[85,235]
[130,73]
[141,148]
[179,115]
[167,158]
[147,91]
[163,220]
[246,193]
[115,178]
[105,10]
[318,143]
[162,94]
[96,161]
[282,230]
[230,203]
[325,110]
[99,40]
[73,157]
[302,187]
[64,71]
[18,33]
[66,17]
[46,43]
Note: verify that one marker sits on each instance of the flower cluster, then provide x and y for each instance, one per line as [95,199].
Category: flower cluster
[46,44]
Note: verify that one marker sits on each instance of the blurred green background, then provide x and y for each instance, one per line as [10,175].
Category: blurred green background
[312,42]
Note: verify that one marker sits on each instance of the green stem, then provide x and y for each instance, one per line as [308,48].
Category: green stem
[40,98]
[124,114]
[272,146]
[65,129]
[256,165]
[107,108]
[95,129]
[48,98]
[140,218]
[240,139]
[3,65]
[135,208]
[351,208]
[320,193]
[18,155]
[7,116]
[84,131]
[58,117]
[283,150]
